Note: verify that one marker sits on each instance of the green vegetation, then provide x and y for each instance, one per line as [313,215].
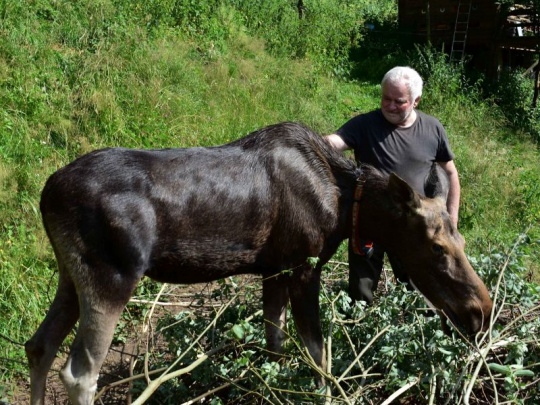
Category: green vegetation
[75,76]
[372,351]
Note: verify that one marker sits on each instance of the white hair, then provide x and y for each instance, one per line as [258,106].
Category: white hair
[407,76]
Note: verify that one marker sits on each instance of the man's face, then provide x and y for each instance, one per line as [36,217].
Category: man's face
[397,104]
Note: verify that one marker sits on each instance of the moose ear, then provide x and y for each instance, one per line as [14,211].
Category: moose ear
[402,195]
[436,184]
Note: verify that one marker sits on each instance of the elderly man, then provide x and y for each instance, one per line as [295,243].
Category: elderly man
[401,139]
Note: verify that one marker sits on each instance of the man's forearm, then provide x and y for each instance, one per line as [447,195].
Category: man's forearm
[452,203]
[337,142]
[454,191]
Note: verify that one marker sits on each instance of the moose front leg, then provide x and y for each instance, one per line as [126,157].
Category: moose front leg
[275,299]
[304,288]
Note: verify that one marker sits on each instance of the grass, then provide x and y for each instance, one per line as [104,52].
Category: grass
[75,77]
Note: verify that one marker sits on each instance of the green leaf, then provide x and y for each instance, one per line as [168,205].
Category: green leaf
[445,351]
[238,331]
[524,373]
[499,368]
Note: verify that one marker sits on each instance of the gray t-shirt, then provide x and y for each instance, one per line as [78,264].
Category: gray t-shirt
[408,152]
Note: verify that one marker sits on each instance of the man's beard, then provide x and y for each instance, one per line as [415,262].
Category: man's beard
[397,118]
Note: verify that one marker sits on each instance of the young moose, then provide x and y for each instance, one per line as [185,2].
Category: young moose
[262,204]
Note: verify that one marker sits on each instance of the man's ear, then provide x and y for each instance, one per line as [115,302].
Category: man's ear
[417,101]
[404,198]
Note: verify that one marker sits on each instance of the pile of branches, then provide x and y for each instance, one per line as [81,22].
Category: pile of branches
[209,346]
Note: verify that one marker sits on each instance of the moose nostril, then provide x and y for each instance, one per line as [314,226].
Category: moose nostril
[476,325]
[479,321]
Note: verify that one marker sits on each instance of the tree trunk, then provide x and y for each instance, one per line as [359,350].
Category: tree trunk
[536,83]
[301,9]
[428,23]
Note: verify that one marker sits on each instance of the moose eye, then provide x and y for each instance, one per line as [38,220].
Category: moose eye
[437,249]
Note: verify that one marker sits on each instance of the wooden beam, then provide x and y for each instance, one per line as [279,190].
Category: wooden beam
[530,68]
[522,11]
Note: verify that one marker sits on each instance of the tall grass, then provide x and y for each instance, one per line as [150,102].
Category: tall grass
[75,76]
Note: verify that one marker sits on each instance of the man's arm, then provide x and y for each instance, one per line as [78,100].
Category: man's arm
[337,142]
[454,192]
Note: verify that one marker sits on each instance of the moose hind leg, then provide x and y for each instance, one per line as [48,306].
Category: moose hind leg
[42,347]
[275,300]
[95,332]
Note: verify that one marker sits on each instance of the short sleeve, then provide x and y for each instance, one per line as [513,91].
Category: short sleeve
[350,130]
[444,151]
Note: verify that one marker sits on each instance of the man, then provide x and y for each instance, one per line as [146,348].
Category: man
[396,138]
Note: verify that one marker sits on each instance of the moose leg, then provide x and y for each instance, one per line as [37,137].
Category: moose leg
[364,274]
[304,294]
[399,271]
[275,299]
[42,347]
[98,318]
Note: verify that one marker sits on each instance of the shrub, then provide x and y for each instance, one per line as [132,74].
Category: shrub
[513,93]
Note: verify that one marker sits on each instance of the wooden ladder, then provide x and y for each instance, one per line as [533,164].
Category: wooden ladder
[460,30]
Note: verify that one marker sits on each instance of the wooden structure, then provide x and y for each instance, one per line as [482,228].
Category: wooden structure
[494,37]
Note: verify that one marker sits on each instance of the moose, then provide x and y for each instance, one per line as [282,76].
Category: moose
[262,204]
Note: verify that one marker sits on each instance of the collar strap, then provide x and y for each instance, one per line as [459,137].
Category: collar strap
[355,238]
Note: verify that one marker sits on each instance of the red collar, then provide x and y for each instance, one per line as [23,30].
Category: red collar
[355,238]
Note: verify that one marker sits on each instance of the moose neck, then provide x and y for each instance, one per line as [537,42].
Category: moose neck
[374,213]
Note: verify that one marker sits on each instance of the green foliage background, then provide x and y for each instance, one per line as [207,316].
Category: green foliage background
[78,75]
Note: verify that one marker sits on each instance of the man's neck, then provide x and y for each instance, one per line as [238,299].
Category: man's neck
[409,121]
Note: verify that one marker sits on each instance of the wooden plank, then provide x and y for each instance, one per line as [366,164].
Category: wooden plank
[526,73]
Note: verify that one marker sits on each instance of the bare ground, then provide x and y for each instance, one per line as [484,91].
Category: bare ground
[121,357]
